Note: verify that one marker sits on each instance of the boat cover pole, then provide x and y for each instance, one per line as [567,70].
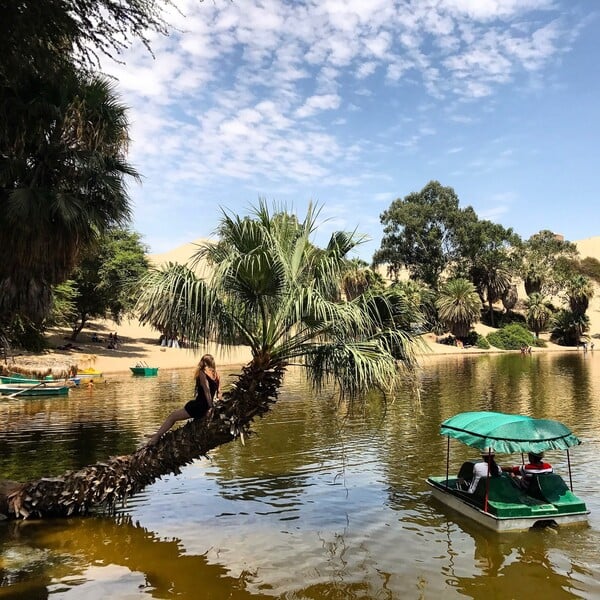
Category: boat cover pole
[447,460]
[487,481]
[570,474]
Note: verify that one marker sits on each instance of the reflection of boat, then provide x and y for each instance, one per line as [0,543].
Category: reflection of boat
[43,388]
[499,502]
[144,370]
[23,379]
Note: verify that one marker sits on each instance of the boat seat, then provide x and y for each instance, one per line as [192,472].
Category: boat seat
[506,498]
[550,487]
[466,471]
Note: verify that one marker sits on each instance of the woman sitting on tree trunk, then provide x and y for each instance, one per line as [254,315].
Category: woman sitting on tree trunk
[208,389]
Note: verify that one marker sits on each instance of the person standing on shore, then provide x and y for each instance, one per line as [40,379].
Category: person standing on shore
[207,391]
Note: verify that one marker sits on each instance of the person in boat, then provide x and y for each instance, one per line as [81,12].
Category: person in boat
[486,468]
[207,391]
[535,466]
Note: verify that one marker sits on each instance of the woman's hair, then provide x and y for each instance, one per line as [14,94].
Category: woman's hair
[208,360]
[495,470]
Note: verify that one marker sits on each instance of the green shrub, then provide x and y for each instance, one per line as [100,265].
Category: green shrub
[511,337]
[482,343]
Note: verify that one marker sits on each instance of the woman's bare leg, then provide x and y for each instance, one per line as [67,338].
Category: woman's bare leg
[177,415]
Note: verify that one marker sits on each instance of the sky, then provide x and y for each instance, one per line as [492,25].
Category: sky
[351,104]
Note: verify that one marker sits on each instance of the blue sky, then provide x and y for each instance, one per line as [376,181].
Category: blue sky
[354,103]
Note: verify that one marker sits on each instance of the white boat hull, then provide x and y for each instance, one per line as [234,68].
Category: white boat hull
[505,523]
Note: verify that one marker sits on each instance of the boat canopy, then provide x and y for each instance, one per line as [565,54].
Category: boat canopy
[508,433]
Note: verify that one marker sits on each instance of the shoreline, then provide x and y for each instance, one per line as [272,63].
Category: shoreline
[139,344]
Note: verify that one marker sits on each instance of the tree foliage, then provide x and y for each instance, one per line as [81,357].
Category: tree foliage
[273,290]
[545,259]
[427,233]
[568,327]
[459,306]
[62,183]
[38,35]
[63,139]
[579,291]
[420,233]
[106,281]
[539,313]
[487,259]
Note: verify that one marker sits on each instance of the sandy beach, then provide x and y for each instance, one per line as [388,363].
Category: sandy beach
[140,344]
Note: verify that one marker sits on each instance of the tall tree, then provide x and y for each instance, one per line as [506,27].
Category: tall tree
[272,290]
[544,259]
[63,138]
[106,280]
[419,233]
[539,313]
[579,292]
[487,259]
[62,183]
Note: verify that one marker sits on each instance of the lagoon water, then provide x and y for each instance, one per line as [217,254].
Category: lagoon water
[325,501]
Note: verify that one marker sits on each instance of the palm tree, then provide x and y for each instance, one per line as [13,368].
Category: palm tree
[359,278]
[272,290]
[568,327]
[459,306]
[62,181]
[510,298]
[493,282]
[538,313]
[579,291]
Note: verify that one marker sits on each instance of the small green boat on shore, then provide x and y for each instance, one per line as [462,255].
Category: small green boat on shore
[144,371]
[499,502]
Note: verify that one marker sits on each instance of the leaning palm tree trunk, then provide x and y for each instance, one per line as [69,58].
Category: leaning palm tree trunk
[104,485]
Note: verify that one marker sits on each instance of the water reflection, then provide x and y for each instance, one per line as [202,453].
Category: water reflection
[108,558]
[324,501]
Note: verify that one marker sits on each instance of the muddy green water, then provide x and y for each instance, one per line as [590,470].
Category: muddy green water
[321,503]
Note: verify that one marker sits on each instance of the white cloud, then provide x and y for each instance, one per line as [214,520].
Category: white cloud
[316,104]
[248,90]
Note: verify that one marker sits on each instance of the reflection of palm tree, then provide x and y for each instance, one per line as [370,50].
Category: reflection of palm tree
[272,290]
[165,566]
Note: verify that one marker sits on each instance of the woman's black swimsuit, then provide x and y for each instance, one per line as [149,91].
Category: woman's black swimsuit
[198,407]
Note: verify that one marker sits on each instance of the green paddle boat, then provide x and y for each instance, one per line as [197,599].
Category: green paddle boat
[500,502]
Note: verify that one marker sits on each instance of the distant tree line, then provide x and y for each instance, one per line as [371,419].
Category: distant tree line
[467,263]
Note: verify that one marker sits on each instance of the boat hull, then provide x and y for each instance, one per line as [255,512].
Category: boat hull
[4,379]
[144,371]
[515,516]
[87,375]
[23,389]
